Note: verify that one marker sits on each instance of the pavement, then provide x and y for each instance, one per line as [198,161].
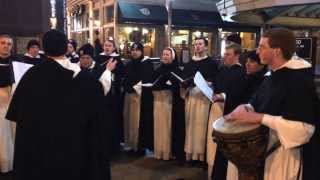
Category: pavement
[144,168]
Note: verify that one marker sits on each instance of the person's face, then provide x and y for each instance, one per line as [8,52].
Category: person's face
[200,46]
[135,53]
[230,57]
[167,57]
[5,46]
[70,49]
[34,50]
[266,53]
[252,66]
[85,61]
[108,47]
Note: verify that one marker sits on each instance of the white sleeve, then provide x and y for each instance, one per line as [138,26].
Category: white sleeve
[105,80]
[290,133]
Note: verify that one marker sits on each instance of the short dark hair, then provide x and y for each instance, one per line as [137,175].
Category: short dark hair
[236,48]
[73,43]
[55,43]
[33,42]
[205,40]
[282,38]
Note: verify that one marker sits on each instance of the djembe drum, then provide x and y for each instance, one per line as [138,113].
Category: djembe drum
[245,145]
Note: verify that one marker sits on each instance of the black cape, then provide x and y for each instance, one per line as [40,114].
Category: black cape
[6,71]
[60,126]
[115,97]
[232,82]
[291,94]
[146,70]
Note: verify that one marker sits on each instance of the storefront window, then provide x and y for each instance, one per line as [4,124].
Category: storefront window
[248,40]
[96,18]
[207,35]
[81,37]
[76,23]
[108,33]
[109,13]
[128,35]
[180,41]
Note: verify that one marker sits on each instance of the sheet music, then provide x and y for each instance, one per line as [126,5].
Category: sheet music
[178,77]
[19,69]
[151,84]
[202,84]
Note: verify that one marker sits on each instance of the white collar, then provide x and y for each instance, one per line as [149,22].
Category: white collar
[196,58]
[145,58]
[295,63]
[65,63]
[92,65]
[114,54]
[29,55]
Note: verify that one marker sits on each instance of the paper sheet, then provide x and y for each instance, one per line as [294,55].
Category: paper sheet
[202,84]
[19,69]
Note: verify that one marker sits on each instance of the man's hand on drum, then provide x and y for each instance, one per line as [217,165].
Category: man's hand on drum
[244,114]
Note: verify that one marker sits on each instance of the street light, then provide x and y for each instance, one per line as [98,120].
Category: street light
[169,30]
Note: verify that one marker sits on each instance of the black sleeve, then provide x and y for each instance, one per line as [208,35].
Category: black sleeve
[130,78]
[188,75]
[18,98]
[219,85]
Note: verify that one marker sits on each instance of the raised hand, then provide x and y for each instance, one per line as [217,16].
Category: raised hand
[111,65]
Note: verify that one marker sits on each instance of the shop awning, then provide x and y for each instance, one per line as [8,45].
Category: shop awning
[141,13]
[242,27]
[196,18]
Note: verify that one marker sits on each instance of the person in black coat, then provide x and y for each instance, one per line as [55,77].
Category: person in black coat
[115,96]
[72,54]
[32,55]
[230,88]
[59,114]
[255,74]
[168,109]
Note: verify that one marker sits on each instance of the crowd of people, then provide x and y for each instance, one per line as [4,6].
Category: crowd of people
[75,110]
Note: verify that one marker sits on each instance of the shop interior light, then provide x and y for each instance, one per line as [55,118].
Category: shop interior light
[53,21]
[183,31]
[136,29]
[128,30]
[145,31]
[241,35]
[197,33]
[97,23]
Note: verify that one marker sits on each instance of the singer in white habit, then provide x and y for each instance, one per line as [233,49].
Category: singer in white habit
[286,103]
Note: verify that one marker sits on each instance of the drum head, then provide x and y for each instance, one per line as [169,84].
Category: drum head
[232,127]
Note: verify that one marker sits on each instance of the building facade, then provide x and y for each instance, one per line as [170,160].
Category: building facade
[147,22]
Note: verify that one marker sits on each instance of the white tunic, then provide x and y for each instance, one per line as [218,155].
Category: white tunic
[7,132]
[285,162]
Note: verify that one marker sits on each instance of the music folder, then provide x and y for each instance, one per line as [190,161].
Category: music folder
[180,78]
[202,84]
[108,57]
[151,84]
